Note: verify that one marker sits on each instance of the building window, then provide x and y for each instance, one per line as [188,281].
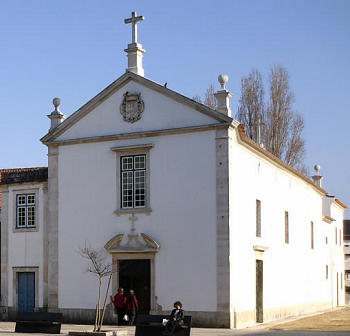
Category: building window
[133,181]
[258,218]
[326,240]
[341,280]
[25,211]
[286,227]
[312,235]
[326,272]
[336,235]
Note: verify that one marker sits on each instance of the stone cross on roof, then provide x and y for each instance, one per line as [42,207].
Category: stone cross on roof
[134,19]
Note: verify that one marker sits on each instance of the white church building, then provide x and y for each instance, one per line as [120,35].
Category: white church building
[187,207]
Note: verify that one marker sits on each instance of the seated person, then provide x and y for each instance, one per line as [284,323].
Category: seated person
[176,319]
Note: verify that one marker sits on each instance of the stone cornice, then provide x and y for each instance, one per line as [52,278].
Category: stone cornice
[117,84]
[328,219]
[341,204]
[145,134]
[132,148]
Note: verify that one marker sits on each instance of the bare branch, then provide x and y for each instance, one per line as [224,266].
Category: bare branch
[209,99]
[251,107]
[98,264]
[282,131]
[197,98]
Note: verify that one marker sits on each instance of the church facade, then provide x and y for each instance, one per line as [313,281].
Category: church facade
[186,206]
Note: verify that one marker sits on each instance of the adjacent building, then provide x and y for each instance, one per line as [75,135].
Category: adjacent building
[347,259]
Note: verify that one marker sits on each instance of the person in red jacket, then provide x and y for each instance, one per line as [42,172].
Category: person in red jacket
[119,301]
[132,306]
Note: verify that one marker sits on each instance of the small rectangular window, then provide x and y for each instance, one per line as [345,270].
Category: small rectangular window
[326,272]
[341,280]
[258,218]
[25,211]
[336,236]
[286,227]
[312,235]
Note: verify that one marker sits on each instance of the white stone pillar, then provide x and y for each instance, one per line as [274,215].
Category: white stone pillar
[56,116]
[223,97]
[135,55]
[52,229]
[317,178]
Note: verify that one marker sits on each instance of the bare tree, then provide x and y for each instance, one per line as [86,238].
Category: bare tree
[279,115]
[209,99]
[197,98]
[100,267]
[251,104]
[282,131]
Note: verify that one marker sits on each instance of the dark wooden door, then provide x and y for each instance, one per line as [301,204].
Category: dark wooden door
[136,274]
[259,291]
[26,291]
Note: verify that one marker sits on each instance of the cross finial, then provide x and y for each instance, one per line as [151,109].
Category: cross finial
[134,19]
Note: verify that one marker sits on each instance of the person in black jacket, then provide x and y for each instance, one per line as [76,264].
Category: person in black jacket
[176,319]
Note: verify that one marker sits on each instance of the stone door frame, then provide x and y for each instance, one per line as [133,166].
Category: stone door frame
[116,256]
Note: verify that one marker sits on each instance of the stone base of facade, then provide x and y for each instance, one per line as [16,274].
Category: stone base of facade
[201,319]
[248,318]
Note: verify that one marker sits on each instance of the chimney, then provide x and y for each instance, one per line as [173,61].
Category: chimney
[56,116]
[134,50]
[223,96]
[317,178]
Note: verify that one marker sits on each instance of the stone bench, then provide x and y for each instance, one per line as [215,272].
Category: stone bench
[49,323]
[151,325]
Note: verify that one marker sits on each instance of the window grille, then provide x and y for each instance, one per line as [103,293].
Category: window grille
[133,181]
[25,211]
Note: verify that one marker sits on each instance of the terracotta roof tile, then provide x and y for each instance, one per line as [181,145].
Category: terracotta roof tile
[20,175]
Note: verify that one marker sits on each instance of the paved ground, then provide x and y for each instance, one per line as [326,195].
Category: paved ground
[335,323]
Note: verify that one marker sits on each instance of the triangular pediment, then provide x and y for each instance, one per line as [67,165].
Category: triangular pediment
[162,109]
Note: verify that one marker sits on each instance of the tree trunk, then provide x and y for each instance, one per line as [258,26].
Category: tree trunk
[98,312]
[105,302]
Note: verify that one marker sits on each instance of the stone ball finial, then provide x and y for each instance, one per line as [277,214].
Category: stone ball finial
[317,169]
[223,79]
[56,102]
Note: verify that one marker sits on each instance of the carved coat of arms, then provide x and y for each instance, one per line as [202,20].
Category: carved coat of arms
[132,107]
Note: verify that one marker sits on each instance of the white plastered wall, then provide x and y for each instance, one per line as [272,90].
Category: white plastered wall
[183,217]
[337,253]
[25,249]
[294,274]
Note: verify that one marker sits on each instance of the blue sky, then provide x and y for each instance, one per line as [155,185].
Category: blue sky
[73,49]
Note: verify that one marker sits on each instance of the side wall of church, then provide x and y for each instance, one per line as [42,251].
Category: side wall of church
[183,218]
[294,273]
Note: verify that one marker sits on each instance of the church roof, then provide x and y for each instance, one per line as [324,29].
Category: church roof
[113,87]
[254,146]
[22,175]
